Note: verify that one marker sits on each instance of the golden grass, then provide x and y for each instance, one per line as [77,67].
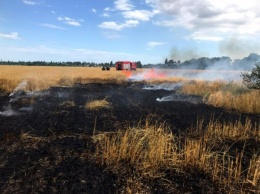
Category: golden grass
[202,88]
[98,104]
[146,149]
[40,78]
[248,102]
[152,149]
[230,95]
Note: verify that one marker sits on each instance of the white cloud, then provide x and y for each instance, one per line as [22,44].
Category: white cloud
[153,44]
[12,35]
[27,2]
[52,26]
[106,15]
[70,21]
[94,10]
[143,15]
[204,37]
[115,26]
[107,9]
[112,35]
[227,17]
[123,5]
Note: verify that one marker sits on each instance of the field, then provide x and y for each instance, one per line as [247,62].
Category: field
[84,130]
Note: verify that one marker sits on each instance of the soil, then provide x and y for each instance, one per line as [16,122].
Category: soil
[46,137]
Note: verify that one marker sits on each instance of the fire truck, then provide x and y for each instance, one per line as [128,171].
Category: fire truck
[125,65]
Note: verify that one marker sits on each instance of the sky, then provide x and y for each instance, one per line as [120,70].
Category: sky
[149,31]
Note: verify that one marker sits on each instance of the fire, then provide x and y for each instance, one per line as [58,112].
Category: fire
[145,75]
[128,74]
[152,74]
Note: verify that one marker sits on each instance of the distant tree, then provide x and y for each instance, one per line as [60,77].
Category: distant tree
[252,78]
[139,64]
[111,64]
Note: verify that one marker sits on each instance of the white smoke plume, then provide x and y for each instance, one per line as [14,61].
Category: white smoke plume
[20,87]
[180,98]
[165,99]
[164,86]
[8,111]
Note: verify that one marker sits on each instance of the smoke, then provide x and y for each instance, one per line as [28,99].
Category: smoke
[165,99]
[238,48]
[164,86]
[20,94]
[185,54]
[20,87]
[145,75]
[214,73]
[180,98]
[8,111]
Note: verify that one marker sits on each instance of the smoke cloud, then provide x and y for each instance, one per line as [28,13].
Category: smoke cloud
[237,48]
[185,54]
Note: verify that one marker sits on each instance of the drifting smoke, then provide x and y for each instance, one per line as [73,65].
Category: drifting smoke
[180,98]
[207,75]
[8,111]
[164,86]
[20,87]
[185,54]
[165,99]
[174,97]
[145,75]
[237,48]
[15,96]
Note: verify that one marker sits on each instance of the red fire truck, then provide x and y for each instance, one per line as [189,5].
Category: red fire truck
[125,65]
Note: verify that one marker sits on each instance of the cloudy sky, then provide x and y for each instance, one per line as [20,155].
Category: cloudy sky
[139,30]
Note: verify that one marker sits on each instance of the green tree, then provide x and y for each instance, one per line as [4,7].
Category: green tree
[139,64]
[252,78]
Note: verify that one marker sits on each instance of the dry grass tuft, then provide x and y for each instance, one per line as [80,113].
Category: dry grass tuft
[152,149]
[146,149]
[98,104]
[68,104]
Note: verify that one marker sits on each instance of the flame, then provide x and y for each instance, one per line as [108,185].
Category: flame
[152,74]
[128,74]
[147,74]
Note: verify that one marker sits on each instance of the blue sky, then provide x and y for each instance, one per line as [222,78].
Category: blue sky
[110,30]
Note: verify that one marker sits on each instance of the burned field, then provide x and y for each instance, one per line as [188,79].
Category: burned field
[48,145]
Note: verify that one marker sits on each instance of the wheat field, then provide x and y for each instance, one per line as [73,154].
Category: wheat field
[220,93]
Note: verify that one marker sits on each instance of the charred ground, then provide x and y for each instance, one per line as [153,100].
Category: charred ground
[46,140]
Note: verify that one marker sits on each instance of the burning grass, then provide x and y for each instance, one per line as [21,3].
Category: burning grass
[151,151]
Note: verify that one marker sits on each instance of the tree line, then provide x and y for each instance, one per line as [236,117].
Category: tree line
[64,64]
[216,63]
